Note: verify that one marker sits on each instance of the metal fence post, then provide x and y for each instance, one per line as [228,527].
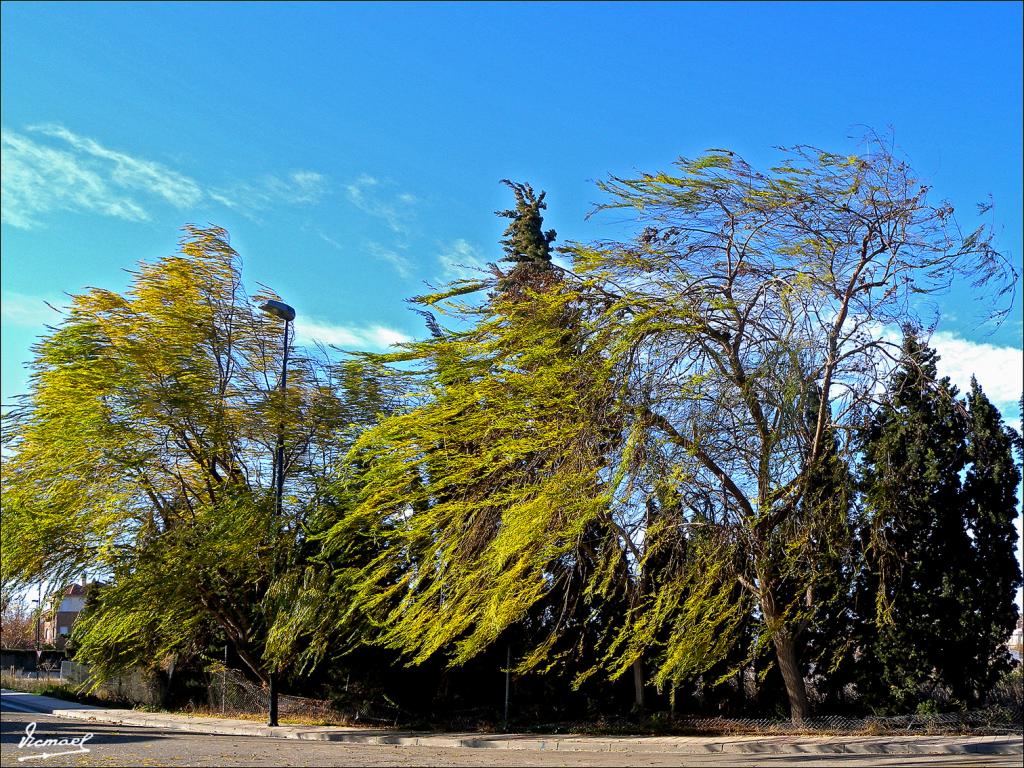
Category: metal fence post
[508,665]
[224,683]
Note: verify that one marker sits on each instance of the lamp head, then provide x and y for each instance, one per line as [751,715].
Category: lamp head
[278,309]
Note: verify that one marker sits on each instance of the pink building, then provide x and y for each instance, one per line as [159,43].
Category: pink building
[57,626]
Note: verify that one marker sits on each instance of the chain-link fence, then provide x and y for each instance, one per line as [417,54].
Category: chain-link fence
[231,693]
[998,720]
[131,687]
[19,678]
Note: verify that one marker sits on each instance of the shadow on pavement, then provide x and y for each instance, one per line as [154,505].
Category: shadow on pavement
[12,729]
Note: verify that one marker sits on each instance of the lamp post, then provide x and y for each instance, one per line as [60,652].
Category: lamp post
[39,621]
[286,313]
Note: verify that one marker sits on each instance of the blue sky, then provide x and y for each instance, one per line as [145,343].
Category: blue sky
[354,150]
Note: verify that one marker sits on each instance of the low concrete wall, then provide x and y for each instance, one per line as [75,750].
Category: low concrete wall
[24,660]
[133,687]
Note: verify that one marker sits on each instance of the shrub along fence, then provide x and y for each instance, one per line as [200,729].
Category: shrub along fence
[232,693]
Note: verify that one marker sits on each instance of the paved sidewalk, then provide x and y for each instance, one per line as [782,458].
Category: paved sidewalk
[767,745]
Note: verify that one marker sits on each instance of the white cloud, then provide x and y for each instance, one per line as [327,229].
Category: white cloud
[38,179]
[131,172]
[461,260]
[396,210]
[390,256]
[999,370]
[28,311]
[58,170]
[366,337]
[330,240]
[297,188]
[307,186]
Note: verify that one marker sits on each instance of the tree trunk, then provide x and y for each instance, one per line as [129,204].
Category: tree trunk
[785,639]
[638,685]
[785,651]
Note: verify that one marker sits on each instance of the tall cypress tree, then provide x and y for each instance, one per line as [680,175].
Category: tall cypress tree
[940,486]
[526,243]
[990,500]
[921,559]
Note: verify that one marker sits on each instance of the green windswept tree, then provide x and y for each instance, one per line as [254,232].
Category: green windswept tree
[748,315]
[143,454]
[488,497]
[660,421]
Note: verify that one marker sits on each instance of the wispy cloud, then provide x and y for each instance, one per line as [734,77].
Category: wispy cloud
[38,179]
[330,240]
[999,370]
[28,311]
[397,260]
[461,260]
[297,188]
[51,168]
[391,256]
[131,172]
[367,193]
[361,337]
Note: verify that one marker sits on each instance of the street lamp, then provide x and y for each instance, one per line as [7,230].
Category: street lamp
[286,313]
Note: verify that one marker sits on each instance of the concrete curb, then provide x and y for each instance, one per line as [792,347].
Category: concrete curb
[746,745]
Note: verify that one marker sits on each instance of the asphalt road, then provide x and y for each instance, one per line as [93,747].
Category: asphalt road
[112,745]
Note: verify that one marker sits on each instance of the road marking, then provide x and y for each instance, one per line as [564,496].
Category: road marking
[44,755]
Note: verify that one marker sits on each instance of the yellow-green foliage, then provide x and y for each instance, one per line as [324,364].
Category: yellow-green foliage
[507,486]
[673,401]
[619,462]
[478,491]
[143,454]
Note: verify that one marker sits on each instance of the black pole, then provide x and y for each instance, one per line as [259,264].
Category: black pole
[39,615]
[508,673]
[279,508]
[278,514]
[272,695]
[39,623]
[224,684]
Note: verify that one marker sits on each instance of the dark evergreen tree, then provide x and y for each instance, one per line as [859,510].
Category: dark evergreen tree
[990,498]
[525,241]
[527,245]
[940,576]
[921,559]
